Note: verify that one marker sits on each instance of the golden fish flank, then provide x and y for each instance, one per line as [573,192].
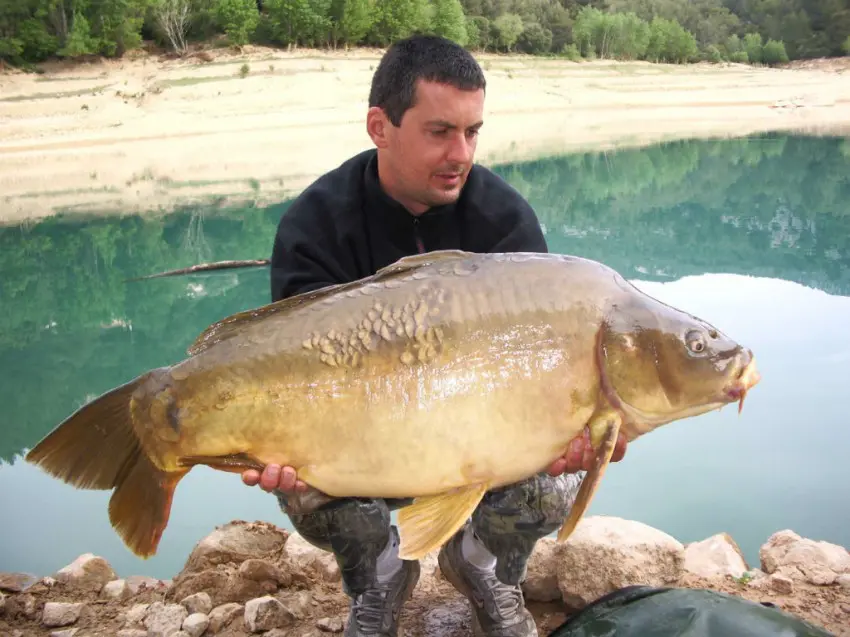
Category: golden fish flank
[440,377]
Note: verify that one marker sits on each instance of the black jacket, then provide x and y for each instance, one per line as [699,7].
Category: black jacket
[344,227]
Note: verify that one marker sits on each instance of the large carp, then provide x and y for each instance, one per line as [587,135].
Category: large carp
[439,377]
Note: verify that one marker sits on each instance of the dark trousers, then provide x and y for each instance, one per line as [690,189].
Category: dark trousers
[509,521]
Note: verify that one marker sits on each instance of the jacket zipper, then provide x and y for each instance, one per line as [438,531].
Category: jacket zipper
[419,244]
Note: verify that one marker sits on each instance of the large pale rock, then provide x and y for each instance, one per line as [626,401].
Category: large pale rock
[541,582]
[716,555]
[195,624]
[236,542]
[800,558]
[60,613]
[137,583]
[606,553]
[2,603]
[310,557]
[162,620]
[135,615]
[265,613]
[132,632]
[222,616]
[116,589]
[87,572]
[198,603]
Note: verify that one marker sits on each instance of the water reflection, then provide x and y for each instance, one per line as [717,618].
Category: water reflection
[752,234]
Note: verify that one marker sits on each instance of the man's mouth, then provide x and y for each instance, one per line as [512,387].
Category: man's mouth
[449,178]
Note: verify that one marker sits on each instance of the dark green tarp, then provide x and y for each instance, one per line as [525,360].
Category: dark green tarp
[648,611]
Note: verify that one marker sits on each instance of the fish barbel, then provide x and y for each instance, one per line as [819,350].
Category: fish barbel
[439,377]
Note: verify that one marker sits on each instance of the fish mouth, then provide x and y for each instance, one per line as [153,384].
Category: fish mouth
[747,378]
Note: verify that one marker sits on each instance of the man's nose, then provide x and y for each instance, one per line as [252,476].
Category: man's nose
[460,150]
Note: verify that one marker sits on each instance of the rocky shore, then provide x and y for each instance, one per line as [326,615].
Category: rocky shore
[253,578]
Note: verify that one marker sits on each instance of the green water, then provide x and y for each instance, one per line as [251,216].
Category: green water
[751,234]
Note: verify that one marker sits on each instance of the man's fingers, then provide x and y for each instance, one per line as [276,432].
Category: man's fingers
[251,477]
[287,479]
[558,467]
[619,449]
[270,477]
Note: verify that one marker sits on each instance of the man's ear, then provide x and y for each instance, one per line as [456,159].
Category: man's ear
[376,125]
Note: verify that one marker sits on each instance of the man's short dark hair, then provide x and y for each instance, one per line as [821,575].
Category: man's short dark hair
[421,57]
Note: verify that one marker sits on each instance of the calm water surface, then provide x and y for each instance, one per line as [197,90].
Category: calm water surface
[751,234]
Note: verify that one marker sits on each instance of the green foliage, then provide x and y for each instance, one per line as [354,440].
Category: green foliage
[846,45]
[449,22]
[237,18]
[773,53]
[657,30]
[506,30]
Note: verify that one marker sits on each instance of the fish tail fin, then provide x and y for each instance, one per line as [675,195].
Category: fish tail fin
[97,447]
[141,504]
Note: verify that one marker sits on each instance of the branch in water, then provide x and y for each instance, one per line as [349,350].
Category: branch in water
[206,267]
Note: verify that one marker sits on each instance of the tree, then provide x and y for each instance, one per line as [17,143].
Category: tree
[174,17]
[507,28]
[449,22]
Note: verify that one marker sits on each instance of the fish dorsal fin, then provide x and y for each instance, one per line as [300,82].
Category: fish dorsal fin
[231,325]
[414,261]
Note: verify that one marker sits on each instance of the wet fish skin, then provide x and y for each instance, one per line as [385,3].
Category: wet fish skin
[440,377]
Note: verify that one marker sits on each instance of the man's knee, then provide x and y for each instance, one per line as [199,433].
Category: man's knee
[355,530]
[537,505]
[509,521]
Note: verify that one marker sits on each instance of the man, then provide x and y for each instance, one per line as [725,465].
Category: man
[418,191]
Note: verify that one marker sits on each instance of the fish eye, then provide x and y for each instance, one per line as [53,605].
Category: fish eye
[695,341]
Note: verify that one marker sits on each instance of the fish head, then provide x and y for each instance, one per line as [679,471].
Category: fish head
[659,364]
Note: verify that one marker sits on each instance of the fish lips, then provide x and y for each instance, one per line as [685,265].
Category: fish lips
[747,378]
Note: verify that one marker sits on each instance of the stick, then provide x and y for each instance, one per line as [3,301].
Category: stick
[206,267]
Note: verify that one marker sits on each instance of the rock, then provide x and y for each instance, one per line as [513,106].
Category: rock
[716,555]
[606,553]
[312,558]
[198,603]
[162,620]
[800,558]
[330,624]
[240,589]
[2,603]
[265,613]
[298,602]
[136,615]
[16,582]
[781,583]
[212,582]
[131,632]
[116,589]
[842,580]
[137,583]
[195,624]
[67,632]
[236,542]
[222,616]
[180,633]
[541,582]
[22,605]
[88,572]
[262,570]
[60,613]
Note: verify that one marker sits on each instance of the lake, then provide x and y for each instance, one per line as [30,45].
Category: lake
[751,234]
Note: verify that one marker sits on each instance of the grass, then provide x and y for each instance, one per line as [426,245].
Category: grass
[44,96]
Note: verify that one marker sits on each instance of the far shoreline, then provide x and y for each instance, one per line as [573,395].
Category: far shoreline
[144,133]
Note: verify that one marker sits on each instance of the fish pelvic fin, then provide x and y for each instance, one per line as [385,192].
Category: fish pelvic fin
[97,448]
[604,429]
[431,520]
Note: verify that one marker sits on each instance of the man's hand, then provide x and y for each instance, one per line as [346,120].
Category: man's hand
[580,455]
[274,477]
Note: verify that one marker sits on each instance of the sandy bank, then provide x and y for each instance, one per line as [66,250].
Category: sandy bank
[145,132]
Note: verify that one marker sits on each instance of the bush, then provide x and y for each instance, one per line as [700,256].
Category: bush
[774,53]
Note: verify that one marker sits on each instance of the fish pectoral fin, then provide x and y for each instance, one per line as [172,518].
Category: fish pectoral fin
[233,463]
[431,520]
[604,430]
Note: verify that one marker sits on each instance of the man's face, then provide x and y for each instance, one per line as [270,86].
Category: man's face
[426,160]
